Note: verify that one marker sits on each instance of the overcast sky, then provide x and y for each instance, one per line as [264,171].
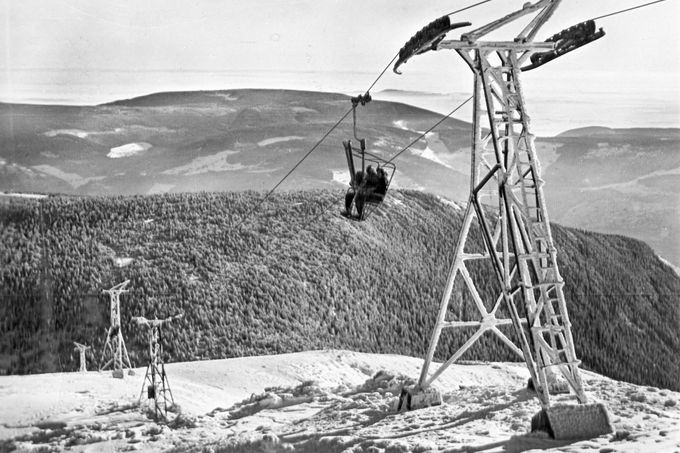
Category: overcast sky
[273,36]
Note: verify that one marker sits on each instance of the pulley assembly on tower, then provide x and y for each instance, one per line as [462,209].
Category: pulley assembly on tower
[565,41]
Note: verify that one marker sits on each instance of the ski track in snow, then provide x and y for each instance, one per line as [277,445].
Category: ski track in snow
[326,401]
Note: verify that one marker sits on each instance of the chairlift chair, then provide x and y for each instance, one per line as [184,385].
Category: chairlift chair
[362,198]
[365,199]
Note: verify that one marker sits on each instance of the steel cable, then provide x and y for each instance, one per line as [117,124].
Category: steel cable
[627,9]
[382,73]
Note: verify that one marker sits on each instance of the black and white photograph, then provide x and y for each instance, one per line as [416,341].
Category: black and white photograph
[340,226]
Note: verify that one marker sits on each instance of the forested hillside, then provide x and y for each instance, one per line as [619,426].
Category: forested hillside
[297,276]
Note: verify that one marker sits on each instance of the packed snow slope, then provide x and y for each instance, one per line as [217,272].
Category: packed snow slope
[294,275]
[328,401]
[621,181]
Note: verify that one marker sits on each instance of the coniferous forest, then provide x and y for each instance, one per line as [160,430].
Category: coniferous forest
[290,274]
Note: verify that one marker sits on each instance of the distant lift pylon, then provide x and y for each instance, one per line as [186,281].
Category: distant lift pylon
[506,200]
[114,347]
[155,378]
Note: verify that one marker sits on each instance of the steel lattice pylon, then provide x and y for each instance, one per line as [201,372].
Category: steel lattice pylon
[114,348]
[508,206]
[514,224]
[155,378]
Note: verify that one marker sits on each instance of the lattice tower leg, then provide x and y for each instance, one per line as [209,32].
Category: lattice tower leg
[83,362]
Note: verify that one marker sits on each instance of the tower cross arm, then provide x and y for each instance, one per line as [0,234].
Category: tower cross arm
[119,288]
[508,45]
[81,346]
[141,320]
[548,7]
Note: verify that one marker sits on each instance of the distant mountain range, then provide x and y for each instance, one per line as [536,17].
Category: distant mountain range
[620,181]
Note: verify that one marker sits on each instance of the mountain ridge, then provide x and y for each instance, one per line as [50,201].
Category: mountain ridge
[295,276]
[620,181]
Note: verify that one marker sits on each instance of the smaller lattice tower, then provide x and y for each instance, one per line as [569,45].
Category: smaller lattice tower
[114,348]
[155,379]
[83,360]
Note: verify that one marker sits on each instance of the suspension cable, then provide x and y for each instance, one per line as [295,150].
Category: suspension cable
[468,7]
[431,128]
[627,9]
[294,168]
[382,73]
[468,99]
[397,54]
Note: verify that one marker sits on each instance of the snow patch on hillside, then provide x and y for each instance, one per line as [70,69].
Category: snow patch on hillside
[341,176]
[37,196]
[74,132]
[127,150]
[81,133]
[159,188]
[635,185]
[675,268]
[226,96]
[401,124]
[271,141]
[122,261]
[429,154]
[448,202]
[298,109]
[436,151]
[74,179]
[380,143]
[213,163]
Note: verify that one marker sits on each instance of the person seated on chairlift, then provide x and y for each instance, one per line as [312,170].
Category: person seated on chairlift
[381,187]
[370,181]
[368,189]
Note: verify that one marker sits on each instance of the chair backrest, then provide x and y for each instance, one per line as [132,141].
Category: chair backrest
[350,162]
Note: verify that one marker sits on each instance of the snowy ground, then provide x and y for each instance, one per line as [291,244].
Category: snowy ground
[325,401]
